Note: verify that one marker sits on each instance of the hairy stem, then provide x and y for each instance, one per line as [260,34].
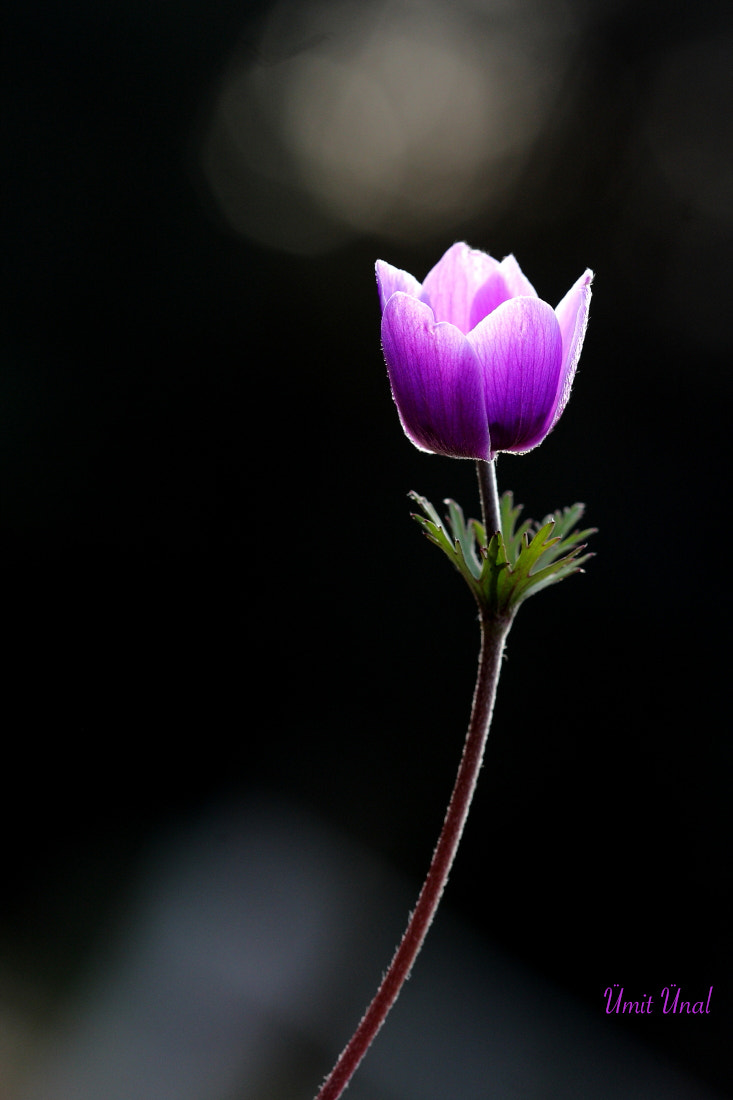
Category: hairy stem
[489,496]
[493,637]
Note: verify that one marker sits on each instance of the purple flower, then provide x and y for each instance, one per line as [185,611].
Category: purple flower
[477,362]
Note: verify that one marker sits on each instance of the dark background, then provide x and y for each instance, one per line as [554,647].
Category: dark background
[212,584]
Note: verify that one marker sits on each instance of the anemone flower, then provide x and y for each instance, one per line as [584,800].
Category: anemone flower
[477,362]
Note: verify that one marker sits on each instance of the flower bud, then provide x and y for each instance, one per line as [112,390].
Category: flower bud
[477,362]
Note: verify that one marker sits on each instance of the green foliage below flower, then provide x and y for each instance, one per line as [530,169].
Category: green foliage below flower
[515,562]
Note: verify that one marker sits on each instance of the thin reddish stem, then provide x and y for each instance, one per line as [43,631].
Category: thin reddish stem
[493,637]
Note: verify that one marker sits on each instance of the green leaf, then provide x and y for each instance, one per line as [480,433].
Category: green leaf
[516,562]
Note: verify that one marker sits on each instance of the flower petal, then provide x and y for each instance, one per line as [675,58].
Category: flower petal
[572,315]
[517,282]
[490,295]
[390,279]
[520,349]
[436,380]
[507,281]
[450,288]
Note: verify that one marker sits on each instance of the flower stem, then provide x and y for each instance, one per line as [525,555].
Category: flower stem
[493,637]
[489,496]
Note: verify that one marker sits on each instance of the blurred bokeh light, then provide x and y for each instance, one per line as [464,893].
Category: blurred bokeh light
[397,119]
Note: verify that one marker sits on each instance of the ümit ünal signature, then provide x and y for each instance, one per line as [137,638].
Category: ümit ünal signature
[670,998]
